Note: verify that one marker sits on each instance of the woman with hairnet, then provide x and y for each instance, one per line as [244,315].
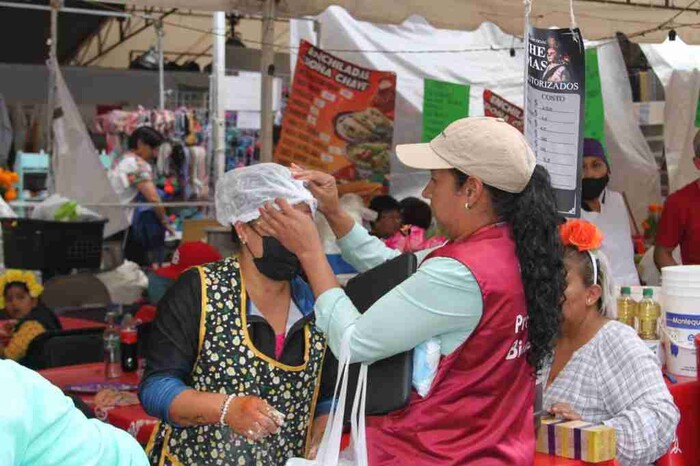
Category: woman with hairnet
[234,364]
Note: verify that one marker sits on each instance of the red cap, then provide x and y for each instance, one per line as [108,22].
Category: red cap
[190,254]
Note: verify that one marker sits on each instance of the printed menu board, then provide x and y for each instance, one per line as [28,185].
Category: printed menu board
[498,107]
[339,118]
[554,104]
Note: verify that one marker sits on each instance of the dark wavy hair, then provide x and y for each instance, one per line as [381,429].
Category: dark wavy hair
[534,220]
[146,135]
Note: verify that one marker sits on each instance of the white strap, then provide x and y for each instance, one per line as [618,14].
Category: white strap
[571,12]
[329,450]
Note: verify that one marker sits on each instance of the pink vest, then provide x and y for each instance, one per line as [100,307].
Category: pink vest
[480,408]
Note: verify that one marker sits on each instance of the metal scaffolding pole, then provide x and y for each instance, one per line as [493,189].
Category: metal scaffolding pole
[218,112]
[52,63]
[161,65]
[267,70]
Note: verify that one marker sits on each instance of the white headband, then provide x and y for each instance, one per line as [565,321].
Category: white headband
[595,267]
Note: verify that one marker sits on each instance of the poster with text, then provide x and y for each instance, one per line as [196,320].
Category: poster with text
[498,107]
[594,121]
[339,118]
[554,105]
[443,103]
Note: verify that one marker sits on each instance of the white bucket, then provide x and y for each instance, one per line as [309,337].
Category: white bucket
[681,272]
[681,324]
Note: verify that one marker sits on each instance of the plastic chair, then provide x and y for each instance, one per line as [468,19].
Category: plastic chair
[65,348]
[686,450]
[146,313]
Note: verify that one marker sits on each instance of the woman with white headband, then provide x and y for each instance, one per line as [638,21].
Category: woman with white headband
[601,371]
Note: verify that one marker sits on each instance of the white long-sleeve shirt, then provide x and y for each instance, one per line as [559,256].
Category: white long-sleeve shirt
[615,379]
[614,222]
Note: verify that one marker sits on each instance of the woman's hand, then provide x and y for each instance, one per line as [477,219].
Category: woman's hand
[322,186]
[293,228]
[317,431]
[253,418]
[565,411]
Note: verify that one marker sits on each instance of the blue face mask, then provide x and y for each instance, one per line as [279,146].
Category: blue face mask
[277,262]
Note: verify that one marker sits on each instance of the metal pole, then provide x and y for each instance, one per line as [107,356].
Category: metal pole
[80,11]
[317,30]
[161,72]
[51,103]
[267,70]
[219,113]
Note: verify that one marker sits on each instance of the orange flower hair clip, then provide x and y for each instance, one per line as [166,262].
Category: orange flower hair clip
[586,237]
[582,234]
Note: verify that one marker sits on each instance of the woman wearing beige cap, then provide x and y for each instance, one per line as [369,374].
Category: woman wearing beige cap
[490,296]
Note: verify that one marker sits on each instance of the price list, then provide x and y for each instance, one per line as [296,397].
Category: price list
[553,125]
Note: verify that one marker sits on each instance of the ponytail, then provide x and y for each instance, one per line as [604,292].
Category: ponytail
[534,221]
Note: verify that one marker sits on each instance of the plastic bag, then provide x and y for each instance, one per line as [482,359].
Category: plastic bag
[57,208]
[126,284]
[329,451]
[426,359]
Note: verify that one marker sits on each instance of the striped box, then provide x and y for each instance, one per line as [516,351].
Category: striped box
[593,443]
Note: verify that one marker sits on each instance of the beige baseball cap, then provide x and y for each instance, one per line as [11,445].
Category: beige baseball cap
[487,148]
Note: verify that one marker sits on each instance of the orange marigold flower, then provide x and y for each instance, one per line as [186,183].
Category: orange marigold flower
[582,234]
[10,195]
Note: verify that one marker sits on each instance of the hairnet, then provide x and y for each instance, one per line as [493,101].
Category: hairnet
[241,192]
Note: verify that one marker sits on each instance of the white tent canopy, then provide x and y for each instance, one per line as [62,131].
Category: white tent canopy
[598,19]
[678,67]
[634,169]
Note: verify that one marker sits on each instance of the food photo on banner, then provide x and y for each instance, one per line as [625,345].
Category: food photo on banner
[339,119]
[498,107]
[554,105]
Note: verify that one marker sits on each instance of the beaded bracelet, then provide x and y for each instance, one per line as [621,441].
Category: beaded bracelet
[224,409]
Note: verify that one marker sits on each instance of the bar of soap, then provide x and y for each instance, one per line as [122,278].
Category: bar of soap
[593,443]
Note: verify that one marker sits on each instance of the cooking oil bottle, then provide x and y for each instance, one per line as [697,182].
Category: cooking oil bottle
[626,307]
[648,314]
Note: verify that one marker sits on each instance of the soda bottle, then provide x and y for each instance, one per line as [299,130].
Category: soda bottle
[626,307]
[648,314]
[129,344]
[112,356]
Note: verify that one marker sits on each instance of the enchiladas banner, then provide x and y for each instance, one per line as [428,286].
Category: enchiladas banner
[339,118]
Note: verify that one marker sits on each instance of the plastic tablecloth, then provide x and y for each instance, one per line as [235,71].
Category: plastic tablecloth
[133,418]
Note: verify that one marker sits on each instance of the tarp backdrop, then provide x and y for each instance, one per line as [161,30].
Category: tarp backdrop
[602,19]
[678,67]
[78,172]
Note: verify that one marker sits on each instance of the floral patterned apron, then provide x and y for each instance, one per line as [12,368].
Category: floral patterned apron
[229,363]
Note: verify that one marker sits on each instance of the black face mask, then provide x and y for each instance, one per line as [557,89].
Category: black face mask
[593,187]
[277,262]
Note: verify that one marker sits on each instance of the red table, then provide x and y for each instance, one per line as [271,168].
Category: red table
[73,323]
[132,419]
